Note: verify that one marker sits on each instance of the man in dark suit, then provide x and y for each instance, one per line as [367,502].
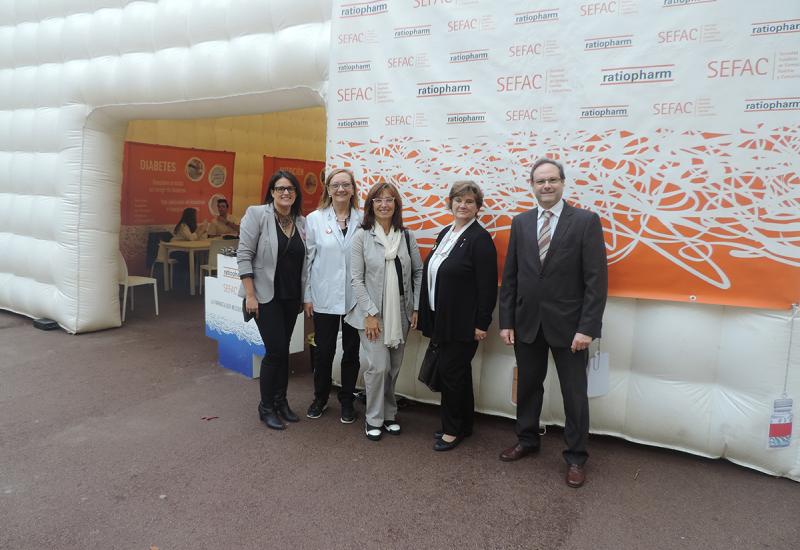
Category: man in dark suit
[552,298]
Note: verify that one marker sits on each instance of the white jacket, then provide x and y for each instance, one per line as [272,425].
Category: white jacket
[328,258]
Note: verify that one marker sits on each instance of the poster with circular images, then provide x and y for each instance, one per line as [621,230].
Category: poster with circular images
[217,176]
[310,183]
[195,169]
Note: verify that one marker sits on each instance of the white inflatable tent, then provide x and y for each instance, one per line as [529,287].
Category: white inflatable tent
[693,377]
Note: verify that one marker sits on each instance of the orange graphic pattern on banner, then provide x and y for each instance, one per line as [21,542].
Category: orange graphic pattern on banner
[310,174]
[688,216]
[160,181]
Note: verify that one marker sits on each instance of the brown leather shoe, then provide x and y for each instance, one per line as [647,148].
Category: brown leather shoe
[516,452]
[576,476]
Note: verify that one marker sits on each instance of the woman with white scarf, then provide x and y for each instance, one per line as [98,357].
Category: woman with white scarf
[386,271]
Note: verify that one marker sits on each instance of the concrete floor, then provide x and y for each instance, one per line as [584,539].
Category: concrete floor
[103,444]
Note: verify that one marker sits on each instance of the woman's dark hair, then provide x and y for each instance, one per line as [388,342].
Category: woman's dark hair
[298,197]
[369,207]
[189,217]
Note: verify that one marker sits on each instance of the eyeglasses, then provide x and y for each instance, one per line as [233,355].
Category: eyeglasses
[282,190]
[343,186]
[383,200]
[550,181]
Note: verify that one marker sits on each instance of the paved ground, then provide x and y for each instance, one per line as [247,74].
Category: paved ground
[103,445]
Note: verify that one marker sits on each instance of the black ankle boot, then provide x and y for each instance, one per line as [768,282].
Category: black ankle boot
[282,408]
[270,418]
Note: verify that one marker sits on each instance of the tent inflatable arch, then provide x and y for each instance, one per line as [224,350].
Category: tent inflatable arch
[695,377]
[71,77]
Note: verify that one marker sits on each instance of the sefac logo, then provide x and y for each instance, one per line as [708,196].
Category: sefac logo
[673,108]
[398,120]
[785,26]
[679,3]
[354,66]
[349,38]
[354,122]
[759,105]
[598,8]
[691,34]
[349,95]
[444,88]
[432,3]
[468,56]
[608,42]
[604,111]
[520,82]
[536,16]
[522,115]
[412,32]
[466,118]
[361,9]
[524,50]
[644,74]
[740,67]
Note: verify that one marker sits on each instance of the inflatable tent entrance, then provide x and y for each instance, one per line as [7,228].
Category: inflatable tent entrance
[695,377]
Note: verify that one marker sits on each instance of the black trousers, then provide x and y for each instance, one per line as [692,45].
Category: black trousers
[326,330]
[455,378]
[571,368]
[275,322]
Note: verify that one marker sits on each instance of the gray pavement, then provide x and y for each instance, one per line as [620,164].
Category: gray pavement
[104,445]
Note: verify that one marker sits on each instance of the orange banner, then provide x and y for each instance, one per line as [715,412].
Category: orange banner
[310,174]
[159,181]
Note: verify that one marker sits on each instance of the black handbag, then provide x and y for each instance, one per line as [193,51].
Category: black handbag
[246,314]
[429,370]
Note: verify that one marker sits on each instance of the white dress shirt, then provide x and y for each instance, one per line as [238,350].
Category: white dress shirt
[556,214]
[438,257]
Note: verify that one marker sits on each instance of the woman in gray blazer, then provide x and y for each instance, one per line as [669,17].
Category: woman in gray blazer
[386,271]
[272,266]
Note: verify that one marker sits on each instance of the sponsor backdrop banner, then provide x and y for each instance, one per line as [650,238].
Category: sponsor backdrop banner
[310,174]
[678,122]
[159,181]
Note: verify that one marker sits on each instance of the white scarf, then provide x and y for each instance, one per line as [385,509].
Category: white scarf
[392,324]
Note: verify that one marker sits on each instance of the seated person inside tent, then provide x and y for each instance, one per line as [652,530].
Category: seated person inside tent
[223,224]
[187,229]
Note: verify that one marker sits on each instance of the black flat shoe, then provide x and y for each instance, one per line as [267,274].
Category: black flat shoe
[438,434]
[442,445]
[270,418]
[282,408]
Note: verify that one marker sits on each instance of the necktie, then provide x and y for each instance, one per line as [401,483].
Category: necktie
[544,235]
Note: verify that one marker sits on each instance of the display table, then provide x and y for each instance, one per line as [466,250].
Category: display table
[239,345]
[191,247]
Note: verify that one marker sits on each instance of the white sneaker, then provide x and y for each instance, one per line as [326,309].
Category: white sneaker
[373,433]
[391,427]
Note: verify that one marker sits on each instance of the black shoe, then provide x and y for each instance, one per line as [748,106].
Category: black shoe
[348,413]
[282,408]
[316,409]
[270,418]
[442,445]
[373,433]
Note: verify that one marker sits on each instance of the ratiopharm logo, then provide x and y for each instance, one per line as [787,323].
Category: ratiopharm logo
[785,26]
[352,122]
[768,104]
[469,56]
[604,111]
[466,118]
[608,42]
[415,31]
[363,9]
[643,74]
[441,88]
[679,3]
[536,16]
[353,66]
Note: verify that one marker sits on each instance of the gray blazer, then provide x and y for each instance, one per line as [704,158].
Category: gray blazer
[258,250]
[367,267]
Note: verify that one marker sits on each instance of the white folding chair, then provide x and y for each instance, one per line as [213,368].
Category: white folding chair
[130,281]
[167,264]
[211,266]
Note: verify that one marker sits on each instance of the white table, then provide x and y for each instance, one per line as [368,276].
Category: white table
[191,247]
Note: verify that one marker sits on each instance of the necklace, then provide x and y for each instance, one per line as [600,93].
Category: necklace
[283,220]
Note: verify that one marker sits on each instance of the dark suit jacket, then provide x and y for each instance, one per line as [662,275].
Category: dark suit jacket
[466,288]
[565,295]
